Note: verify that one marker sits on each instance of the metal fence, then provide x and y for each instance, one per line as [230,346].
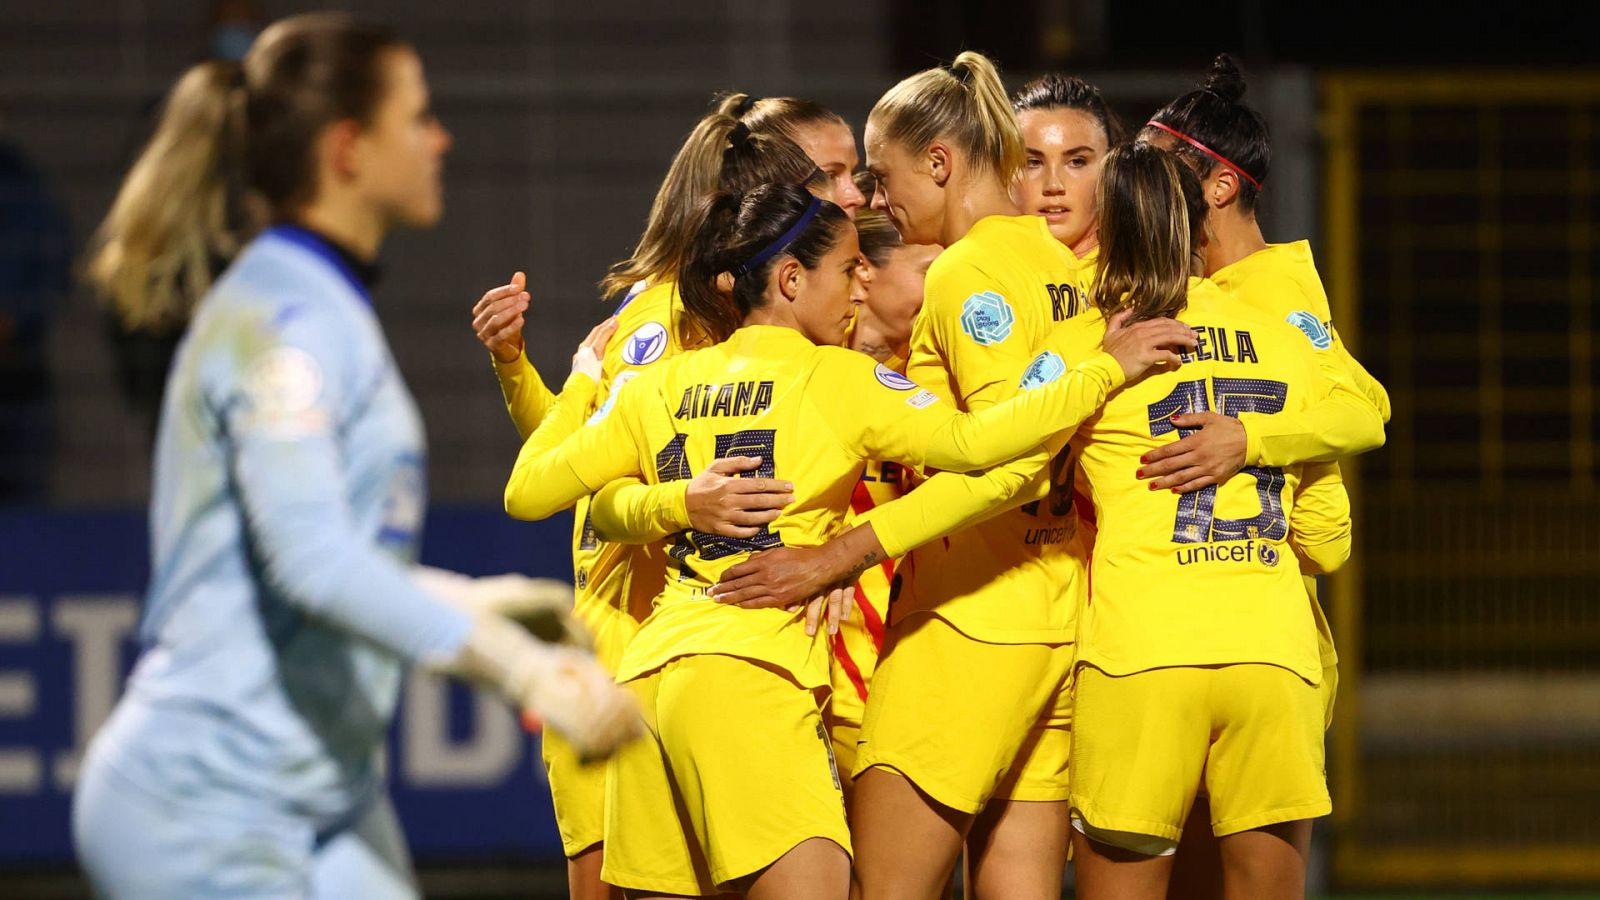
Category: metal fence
[1461,214]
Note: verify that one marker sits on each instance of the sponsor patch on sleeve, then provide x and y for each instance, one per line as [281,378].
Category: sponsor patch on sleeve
[987,318]
[1312,328]
[1045,368]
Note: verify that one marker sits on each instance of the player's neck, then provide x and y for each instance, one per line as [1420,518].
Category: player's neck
[352,225]
[1230,237]
[869,338]
[982,197]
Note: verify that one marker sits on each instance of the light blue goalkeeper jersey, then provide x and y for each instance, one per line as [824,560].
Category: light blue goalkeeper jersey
[288,498]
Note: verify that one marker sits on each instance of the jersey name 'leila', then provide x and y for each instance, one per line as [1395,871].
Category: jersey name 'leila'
[1221,344]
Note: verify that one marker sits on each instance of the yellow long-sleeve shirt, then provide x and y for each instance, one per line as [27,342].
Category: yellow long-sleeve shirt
[814,415]
[615,582]
[1012,567]
[1208,577]
[1280,281]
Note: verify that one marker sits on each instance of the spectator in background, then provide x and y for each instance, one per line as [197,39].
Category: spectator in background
[233,27]
[35,272]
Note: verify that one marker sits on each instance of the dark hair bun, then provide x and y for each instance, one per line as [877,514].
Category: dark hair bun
[1224,79]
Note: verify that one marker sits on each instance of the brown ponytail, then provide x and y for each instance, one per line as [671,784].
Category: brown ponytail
[718,156]
[1146,213]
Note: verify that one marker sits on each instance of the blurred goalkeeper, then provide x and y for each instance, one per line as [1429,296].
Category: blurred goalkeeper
[245,759]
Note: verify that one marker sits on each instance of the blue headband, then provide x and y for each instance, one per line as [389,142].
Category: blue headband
[783,241]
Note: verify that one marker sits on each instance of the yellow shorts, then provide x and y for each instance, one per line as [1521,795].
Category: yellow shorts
[967,721]
[1249,735]
[577,791]
[1328,690]
[734,772]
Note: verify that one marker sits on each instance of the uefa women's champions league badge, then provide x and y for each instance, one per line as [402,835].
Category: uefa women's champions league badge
[1045,368]
[893,380]
[1312,327]
[987,318]
[645,345]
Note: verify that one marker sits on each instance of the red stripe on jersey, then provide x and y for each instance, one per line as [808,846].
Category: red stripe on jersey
[870,618]
[860,502]
[860,499]
[851,670]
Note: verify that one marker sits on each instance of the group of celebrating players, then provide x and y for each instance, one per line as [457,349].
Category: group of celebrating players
[966,507]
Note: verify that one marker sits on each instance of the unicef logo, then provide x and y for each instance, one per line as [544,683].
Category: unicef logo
[986,318]
[893,380]
[1045,368]
[1312,328]
[1269,556]
[645,345]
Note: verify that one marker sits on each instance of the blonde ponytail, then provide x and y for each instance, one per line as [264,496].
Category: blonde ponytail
[964,104]
[156,250]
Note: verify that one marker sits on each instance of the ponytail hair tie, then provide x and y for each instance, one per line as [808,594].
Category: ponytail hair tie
[740,135]
[745,105]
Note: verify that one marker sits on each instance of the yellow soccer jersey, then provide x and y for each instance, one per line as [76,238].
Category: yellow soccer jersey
[1207,577]
[1281,281]
[990,300]
[814,415]
[615,583]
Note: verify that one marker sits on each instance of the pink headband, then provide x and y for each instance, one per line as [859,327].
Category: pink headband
[1207,151]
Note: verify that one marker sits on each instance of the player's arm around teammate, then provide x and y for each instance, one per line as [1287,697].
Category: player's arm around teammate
[617,583]
[1225,142]
[1154,725]
[943,145]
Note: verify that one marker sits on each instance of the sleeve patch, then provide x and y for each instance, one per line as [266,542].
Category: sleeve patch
[1045,368]
[1313,329]
[987,318]
[645,345]
[611,397]
[282,389]
[893,380]
[922,399]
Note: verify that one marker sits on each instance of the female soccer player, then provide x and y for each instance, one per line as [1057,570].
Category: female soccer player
[617,581]
[823,134]
[1067,130]
[1226,144]
[724,686]
[996,601]
[245,758]
[1216,684]
[892,275]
